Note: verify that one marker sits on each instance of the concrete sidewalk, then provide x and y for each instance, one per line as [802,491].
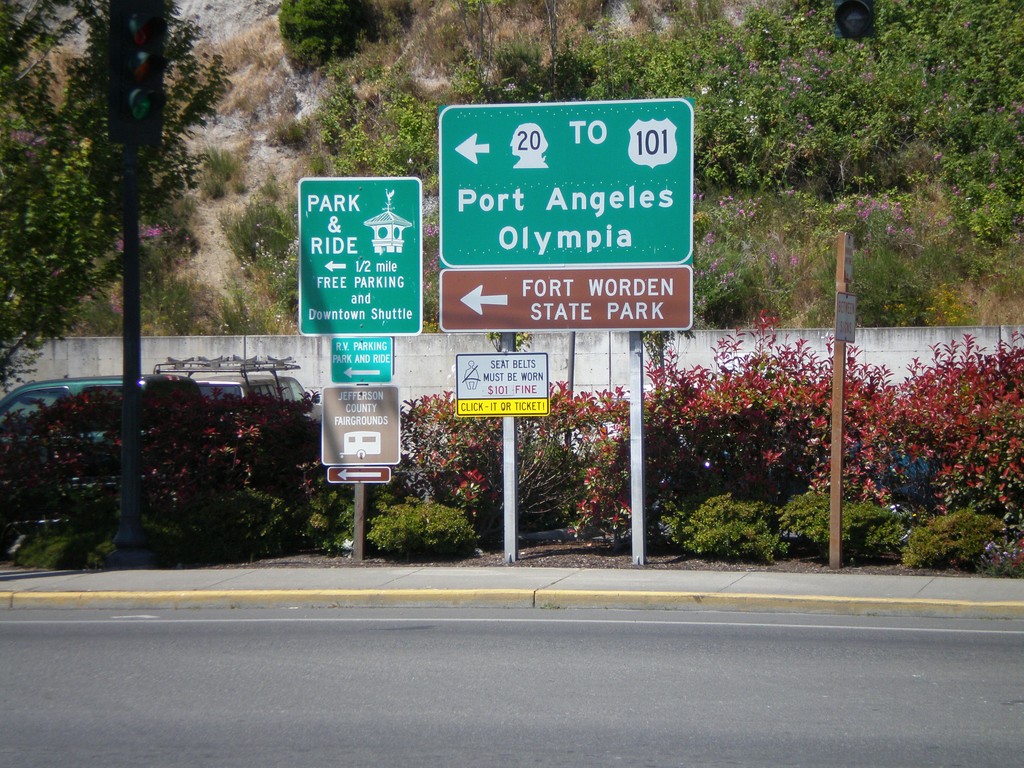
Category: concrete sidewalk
[516,587]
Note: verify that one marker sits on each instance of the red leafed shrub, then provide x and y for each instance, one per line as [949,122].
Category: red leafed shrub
[222,445]
[965,417]
[757,429]
[950,436]
[228,479]
[46,456]
[756,425]
[876,466]
[602,445]
[455,462]
[192,449]
[459,461]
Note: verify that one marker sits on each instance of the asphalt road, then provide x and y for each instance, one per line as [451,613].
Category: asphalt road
[505,688]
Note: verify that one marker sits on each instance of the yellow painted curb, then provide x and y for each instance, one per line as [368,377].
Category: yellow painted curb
[244,598]
[514,598]
[721,601]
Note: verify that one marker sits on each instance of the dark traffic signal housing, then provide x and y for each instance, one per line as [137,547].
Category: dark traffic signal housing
[854,18]
[136,96]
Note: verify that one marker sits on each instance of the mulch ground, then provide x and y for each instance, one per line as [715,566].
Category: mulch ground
[581,554]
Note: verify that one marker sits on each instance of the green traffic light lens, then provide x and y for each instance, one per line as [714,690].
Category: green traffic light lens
[140,103]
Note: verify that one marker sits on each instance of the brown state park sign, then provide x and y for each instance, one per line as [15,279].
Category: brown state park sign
[642,298]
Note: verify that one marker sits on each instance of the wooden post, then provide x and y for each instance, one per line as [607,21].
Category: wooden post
[359,524]
[844,275]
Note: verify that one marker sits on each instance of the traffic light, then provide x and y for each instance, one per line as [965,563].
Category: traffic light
[854,18]
[136,95]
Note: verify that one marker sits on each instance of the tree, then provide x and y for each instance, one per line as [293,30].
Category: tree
[60,177]
[316,31]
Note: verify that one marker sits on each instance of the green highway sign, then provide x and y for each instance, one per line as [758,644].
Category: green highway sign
[567,184]
[360,256]
[362,360]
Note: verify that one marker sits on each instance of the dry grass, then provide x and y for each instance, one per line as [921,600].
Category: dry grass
[257,69]
[1002,304]
[260,47]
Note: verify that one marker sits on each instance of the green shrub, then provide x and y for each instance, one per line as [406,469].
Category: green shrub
[421,528]
[729,528]
[221,170]
[955,540]
[236,526]
[395,135]
[315,31]
[330,524]
[263,230]
[64,550]
[869,530]
[82,539]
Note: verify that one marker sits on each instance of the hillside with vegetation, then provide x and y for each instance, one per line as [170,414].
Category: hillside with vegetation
[912,140]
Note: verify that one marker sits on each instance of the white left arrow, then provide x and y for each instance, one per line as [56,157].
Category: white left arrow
[476,299]
[333,265]
[361,473]
[469,149]
[350,372]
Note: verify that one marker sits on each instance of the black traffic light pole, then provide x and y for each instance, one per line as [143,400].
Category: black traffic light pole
[130,540]
[135,116]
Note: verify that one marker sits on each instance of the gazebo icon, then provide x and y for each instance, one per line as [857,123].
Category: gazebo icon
[388,228]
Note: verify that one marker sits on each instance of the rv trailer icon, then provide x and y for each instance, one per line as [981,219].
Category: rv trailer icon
[362,444]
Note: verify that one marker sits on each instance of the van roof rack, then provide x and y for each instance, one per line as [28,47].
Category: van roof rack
[227,364]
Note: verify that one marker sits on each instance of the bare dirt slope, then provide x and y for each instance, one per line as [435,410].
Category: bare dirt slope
[265,93]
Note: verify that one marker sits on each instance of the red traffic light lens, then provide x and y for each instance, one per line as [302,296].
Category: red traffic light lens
[143,64]
[146,29]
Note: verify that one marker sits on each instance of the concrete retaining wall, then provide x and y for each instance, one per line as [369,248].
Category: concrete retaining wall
[425,364]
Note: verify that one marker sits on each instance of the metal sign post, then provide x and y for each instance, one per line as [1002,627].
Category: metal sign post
[130,540]
[510,471]
[636,447]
